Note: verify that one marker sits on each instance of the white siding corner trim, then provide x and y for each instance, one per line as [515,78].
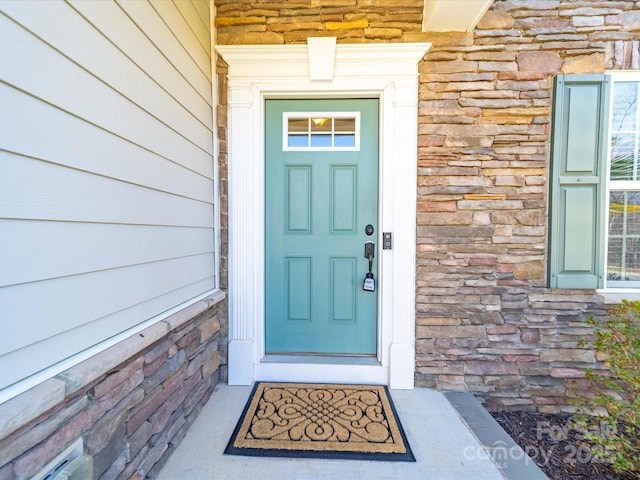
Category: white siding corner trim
[386,71]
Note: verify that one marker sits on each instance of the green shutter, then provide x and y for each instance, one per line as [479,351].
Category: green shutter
[578,155]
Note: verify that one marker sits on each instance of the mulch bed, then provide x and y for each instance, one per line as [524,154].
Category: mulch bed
[555,446]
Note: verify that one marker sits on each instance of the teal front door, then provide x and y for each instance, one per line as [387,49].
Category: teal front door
[321,189]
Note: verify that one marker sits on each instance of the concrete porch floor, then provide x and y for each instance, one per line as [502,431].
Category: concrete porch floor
[451,435]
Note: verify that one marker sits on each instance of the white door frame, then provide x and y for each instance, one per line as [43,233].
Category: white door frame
[323,69]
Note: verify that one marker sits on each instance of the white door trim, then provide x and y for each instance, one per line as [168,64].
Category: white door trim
[386,71]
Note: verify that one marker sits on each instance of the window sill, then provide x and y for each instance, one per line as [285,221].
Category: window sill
[612,296]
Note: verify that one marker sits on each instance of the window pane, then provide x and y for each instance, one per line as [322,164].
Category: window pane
[623,257]
[624,157]
[298,141]
[345,124]
[625,96]
[320,140]
[625,132]
[298,124]
[345,140]
[321,125]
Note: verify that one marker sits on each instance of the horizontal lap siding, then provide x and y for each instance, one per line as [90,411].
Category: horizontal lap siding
[106,172]
[70,248]
[73,144]
[45,191]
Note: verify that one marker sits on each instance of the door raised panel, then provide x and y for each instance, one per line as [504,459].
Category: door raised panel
[343,299]
[344,190]
[298,280]
[298,199]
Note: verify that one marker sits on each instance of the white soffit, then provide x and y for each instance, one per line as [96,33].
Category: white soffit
[453,15]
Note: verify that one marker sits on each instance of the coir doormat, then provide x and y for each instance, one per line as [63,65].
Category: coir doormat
[320,421]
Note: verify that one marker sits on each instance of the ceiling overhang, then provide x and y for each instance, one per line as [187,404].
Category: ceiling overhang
[453,15]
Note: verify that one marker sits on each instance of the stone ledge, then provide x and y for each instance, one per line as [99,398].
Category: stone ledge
[191,311]
[27,406]
[91,369]
[94,367]
[512,461]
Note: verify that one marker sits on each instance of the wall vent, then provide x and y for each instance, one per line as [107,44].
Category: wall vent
[61,467]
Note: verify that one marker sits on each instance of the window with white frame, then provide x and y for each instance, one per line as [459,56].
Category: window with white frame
[321,131]
[623,225]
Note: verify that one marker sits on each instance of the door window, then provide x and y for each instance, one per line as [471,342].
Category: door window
[321,131]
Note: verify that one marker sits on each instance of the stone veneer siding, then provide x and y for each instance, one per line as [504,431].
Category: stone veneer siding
[131,404]
[485,321]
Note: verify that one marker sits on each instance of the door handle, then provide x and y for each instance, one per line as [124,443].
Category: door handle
[369,251]
[369,284]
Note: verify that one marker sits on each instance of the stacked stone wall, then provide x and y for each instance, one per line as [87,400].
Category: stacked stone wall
[223,191]
[131,404]
[485,321]
[351,21]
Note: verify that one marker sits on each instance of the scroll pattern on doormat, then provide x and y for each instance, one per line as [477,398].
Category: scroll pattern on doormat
[320,420]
